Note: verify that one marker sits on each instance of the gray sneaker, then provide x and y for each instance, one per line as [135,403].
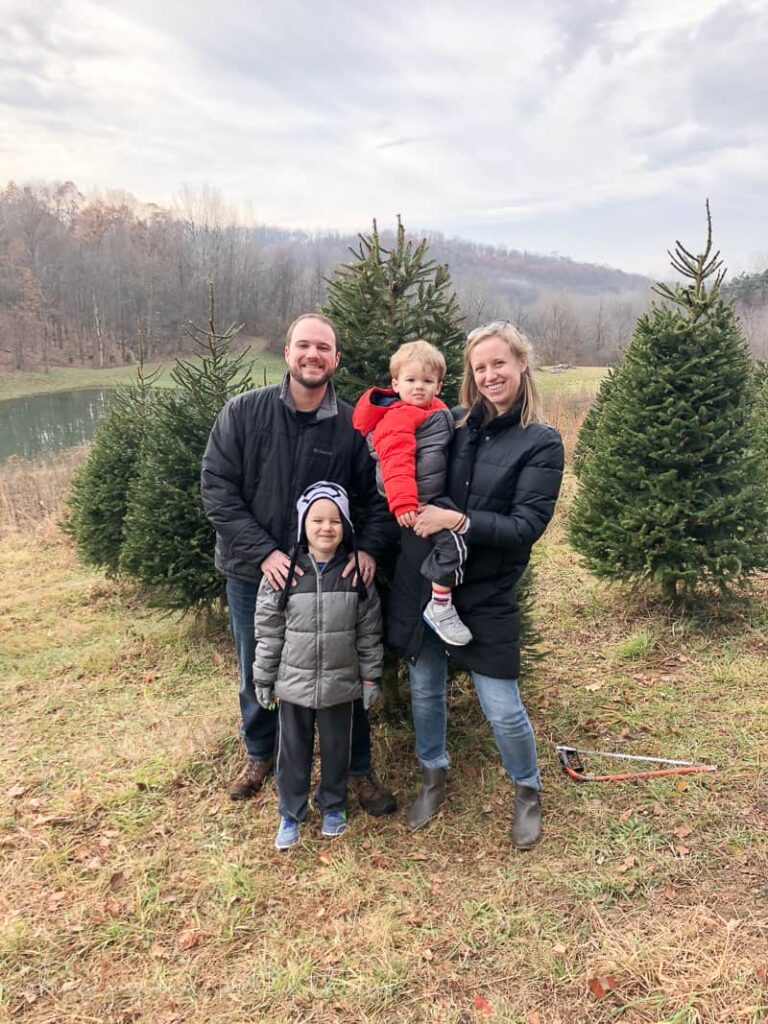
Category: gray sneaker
[445,621]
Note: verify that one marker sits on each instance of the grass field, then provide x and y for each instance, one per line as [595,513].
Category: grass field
[132,889]
[577,378]
[20,385]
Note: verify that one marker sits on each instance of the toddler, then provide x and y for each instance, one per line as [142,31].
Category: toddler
[409,430]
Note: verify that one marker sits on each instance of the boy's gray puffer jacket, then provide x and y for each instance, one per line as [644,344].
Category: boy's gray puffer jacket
[316,652]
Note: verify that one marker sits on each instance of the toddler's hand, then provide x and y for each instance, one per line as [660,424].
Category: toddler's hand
[371,693]
[265,695]
[407,519]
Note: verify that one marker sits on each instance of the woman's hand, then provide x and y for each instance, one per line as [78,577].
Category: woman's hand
[431,519]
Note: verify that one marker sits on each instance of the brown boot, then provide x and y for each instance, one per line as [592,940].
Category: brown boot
[251,778]
[372,797]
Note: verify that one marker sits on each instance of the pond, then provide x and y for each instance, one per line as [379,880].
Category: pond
[45,424]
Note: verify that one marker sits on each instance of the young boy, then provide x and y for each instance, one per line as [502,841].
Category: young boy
[409,430]
[318,649]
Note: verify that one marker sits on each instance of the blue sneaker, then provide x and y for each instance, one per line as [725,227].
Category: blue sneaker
[334,823]
[287,835]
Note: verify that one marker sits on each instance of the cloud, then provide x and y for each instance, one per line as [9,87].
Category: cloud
[538,124]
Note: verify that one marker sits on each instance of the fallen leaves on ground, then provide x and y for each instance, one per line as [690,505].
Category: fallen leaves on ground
[602,984]
[482,1004]
[189,938]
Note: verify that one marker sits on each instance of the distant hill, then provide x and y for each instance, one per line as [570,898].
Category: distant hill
[522,276]
[527,274]
[85,280]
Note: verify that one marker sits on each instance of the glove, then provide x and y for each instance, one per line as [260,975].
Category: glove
[371,693]
[265,695]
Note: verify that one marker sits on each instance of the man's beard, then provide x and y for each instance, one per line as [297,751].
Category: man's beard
[315,382]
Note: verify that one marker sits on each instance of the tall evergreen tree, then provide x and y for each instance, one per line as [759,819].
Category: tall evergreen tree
[379,301]
[386,297]
[676,492]
[169,543]
[98,499]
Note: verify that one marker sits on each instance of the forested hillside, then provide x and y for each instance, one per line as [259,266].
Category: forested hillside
[84,278]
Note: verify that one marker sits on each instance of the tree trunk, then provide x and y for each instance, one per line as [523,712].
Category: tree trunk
[99,333]
[46,329]
[19,354]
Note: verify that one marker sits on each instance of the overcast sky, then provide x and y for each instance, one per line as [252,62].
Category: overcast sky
[594,128]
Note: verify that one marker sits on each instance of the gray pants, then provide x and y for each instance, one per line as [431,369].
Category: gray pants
[294,757]
[444,564]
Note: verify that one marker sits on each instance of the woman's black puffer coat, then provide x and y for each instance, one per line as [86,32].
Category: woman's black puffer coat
[506,477]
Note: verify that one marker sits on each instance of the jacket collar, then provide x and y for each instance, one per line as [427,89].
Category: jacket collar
[327,408]
[507,419]
[307,562]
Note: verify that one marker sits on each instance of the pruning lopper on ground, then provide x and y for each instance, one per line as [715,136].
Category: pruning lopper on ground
[573,766]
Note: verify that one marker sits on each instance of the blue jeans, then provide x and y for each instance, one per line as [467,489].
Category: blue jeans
[259,726]
[501,704]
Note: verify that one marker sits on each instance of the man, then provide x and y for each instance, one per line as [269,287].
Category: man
[265,447]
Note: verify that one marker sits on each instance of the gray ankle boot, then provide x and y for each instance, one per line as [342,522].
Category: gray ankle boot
[526,830]
[430,796]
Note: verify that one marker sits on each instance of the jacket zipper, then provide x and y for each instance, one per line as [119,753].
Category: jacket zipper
[318,632]
[297,451]
[475,448]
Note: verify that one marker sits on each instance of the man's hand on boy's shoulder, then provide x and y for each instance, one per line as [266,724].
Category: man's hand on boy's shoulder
[275,567]
[367,567]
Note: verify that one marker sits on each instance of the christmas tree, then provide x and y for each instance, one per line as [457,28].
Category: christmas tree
[675,492]
[169,543]
[385,298]
[98,499]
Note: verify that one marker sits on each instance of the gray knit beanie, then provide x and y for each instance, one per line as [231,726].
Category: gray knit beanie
[336,494]
[322,489]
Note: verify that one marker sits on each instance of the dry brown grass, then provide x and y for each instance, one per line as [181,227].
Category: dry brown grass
[134,890]
[33,492]
[566,411]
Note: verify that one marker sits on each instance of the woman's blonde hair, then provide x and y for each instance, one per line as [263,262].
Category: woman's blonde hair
[519,346]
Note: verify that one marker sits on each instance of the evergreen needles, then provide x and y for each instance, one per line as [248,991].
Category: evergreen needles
[673,484]
[169,543]
[98,500]
[387,297]
[135,506]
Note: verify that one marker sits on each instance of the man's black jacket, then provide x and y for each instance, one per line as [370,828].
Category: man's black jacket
[261,455]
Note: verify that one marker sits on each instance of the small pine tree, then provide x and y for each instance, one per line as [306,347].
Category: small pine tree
[676,492]
[387,297]
[98,499]
[169,543]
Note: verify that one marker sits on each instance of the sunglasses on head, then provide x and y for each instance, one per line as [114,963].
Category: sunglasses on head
[492,325]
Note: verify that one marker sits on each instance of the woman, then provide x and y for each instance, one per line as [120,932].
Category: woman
[503,480]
